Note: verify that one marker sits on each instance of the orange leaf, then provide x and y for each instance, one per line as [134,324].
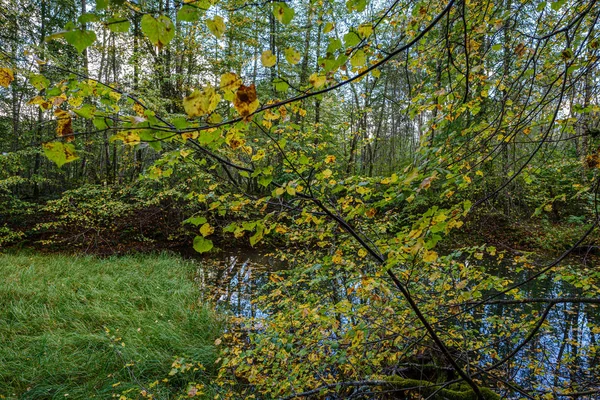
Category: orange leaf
[245,101]
[64,125]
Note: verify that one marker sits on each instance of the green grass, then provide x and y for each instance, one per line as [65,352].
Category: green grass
[55,312]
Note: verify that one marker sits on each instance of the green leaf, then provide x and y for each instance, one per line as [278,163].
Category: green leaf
[209,136]
[265,180]
[100,123]
[497,47]
[80,39]
[358,59]
[334,44]
[180,123]
[280,85]
[160,31]
[39,81]
[101,4]
[86,111]
[216,26]
[88,17]
[257,237]
[60,153]
[118,25]
[556,5]
[202,245]
[283,12]
[351,39]
[189,13]
[195,221]
[358,5]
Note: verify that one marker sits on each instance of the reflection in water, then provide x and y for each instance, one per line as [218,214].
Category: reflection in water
[235,279]
[563,354]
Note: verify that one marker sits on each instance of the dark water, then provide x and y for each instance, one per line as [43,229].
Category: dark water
[564,355]
[235,278]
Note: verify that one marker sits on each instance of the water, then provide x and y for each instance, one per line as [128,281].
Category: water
[564,355]
[234,279]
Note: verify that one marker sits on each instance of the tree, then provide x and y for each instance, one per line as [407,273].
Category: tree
[368,136]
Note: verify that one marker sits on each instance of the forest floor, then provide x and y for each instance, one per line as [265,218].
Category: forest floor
[85,327]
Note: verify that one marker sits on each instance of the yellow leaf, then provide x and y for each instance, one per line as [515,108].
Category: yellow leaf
[138,109]
[206,229]
[39,100]
[201,102]
[268,59]
[292,56]
[327,173]
[76,101]
[58,100]
[116,96]
[260,154]
[337,258]
[235,141]
[190,135]
[270,115]
[365,30]
[317,80]
[230,82]
[358,59]
[430,256]
[6,77]
[216,26]
[127,137]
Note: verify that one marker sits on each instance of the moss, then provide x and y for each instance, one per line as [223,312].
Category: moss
[454,392]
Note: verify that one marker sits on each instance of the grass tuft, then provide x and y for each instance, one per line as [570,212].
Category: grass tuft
[68,325]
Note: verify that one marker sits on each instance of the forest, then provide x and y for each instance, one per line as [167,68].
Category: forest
[299,199]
